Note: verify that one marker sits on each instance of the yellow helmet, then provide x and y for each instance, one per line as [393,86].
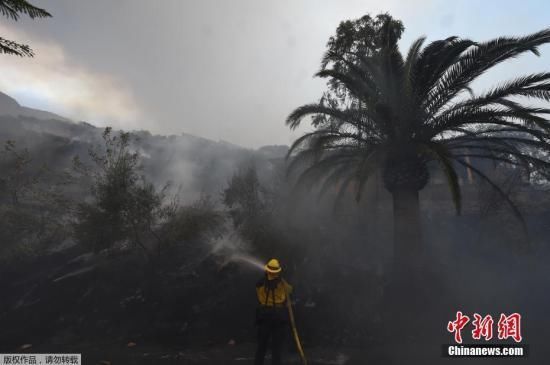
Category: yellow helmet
[273,266]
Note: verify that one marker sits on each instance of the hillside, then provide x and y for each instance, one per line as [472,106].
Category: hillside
[194,164]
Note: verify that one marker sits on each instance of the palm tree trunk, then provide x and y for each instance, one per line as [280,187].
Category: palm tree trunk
[403,296]
[407,232]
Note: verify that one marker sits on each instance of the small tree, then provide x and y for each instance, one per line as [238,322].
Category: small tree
[17,179]
[245,199]
[258,213]
[198,220]
[124,206]
[33,206]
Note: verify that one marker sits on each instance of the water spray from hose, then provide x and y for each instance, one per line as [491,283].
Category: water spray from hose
[250,260]
[231,248]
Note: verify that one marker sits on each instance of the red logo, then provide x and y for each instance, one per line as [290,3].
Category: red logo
[508,326]
[483,327]
[457,325]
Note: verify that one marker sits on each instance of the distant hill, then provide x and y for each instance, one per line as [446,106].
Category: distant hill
[10,107]
[197,165]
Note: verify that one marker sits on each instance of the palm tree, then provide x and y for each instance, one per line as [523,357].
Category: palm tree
[398,114]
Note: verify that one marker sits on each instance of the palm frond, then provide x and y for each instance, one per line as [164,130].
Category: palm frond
[12,9]
[313,174]
[14,48]
[476,60]
[370,163]
[356,118]
[435,60]
[523,118]
[361,88]
[498,189]
[336,176]
[410,61]
[444,157]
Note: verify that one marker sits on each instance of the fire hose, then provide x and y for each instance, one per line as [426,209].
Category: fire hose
[293,325]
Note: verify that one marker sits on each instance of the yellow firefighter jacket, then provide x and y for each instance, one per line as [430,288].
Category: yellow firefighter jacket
[272,292]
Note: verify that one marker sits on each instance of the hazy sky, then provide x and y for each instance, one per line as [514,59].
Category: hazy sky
[226,69]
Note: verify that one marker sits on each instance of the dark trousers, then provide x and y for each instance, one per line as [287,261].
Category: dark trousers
[275,331]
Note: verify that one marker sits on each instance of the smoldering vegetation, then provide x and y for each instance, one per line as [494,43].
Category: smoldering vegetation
[167,265]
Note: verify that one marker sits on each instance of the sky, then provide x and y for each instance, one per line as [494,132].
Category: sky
[227,70]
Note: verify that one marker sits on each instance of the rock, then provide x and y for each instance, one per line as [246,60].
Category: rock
[131,344]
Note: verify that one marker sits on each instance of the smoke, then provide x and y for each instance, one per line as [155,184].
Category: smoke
[231,248]
[337,258]
[51,81]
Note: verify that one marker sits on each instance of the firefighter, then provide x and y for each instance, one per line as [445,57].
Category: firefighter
[272,318]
